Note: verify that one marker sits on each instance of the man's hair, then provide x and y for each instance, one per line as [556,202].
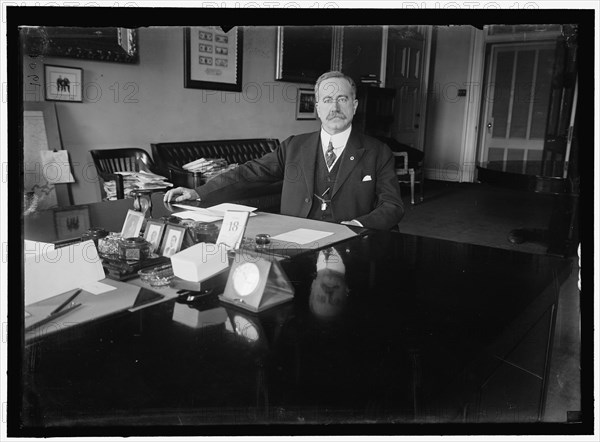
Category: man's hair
[334,74]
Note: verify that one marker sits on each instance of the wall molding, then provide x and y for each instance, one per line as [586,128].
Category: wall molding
[446,174]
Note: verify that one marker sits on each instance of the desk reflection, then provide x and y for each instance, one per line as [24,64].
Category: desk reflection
[329,290]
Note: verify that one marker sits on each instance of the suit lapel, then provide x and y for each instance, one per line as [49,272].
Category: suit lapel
[350,158]
[308,160]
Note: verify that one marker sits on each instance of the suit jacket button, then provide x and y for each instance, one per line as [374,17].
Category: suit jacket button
[307,200]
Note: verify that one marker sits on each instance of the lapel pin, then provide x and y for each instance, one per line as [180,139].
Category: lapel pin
[351,158]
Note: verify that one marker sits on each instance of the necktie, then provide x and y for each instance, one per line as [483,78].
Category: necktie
[329,154]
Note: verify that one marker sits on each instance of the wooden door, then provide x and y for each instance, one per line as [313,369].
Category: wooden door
[406,71]
[517,92]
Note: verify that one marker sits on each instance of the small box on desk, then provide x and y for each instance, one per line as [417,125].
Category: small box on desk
[195,267]
[216,281]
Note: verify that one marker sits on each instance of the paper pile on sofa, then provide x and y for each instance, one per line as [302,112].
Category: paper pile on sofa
[209,168]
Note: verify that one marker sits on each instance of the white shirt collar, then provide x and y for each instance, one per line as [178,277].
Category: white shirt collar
[339,140]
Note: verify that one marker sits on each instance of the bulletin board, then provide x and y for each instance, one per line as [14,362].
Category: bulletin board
[41,133]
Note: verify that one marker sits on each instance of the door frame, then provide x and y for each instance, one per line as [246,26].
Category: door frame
[469,144]
[473,126]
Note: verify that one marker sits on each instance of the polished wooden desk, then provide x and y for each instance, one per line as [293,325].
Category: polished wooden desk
[562,235]
[430,331]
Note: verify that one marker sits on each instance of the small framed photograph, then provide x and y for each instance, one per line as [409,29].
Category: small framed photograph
[305,105]
[154,233]
[172,240]
[71,222]
[133,224]
[63,83]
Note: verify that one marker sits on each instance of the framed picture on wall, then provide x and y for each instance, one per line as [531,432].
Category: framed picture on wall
[63,83]
[305,105]
[213,57]
[304,53]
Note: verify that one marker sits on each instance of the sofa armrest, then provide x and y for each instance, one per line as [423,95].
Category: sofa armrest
[181,177]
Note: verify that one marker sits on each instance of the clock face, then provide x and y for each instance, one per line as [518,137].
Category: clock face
[245,278]
[245,328]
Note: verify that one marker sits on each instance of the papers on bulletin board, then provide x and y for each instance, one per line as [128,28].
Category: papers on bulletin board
[56,167]
[301,236]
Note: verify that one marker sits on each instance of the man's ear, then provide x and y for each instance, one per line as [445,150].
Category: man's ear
[355,106]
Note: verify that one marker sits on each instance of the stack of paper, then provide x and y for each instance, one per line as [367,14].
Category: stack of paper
[209,168]
[210,214]
[136,180]
[204,165]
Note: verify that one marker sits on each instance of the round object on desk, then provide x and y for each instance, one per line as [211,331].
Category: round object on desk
[262,239]
[206,232]
[157,276]
[245,278]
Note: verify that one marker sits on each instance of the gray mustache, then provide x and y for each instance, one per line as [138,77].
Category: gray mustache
[336,115]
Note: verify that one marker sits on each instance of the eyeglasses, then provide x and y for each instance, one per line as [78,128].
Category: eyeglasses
[339,100]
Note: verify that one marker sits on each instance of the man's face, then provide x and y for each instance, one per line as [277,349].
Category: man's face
[336,105]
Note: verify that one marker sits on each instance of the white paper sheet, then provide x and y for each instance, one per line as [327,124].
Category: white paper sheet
[97,288]
[36,247]
[224,207]
[301,236]
[54,272]
[56,166]
[197,215]
[218,210]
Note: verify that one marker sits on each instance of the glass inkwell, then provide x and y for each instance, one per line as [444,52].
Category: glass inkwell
[134,249]
[205,232]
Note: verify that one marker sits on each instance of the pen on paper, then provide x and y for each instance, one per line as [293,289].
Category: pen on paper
[67,302]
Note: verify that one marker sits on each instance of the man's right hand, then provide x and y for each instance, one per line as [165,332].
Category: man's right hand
[180,194]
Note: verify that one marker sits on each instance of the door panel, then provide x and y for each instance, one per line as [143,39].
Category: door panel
[405,73]
[516,105]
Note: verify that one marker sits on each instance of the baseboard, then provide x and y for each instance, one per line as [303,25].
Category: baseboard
[442,174]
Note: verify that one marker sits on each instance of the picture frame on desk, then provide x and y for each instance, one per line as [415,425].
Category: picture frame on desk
[71,222]
[63,83]
[133,223]
[154,233]
[213,57]
[305,105]
[172,240]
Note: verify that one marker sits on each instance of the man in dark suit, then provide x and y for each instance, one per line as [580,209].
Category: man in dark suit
[335,175]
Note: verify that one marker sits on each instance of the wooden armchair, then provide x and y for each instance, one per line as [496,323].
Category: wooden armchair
[130,159]
[409,165]
[410,175]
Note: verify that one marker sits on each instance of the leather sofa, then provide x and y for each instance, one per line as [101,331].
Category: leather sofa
[169,157]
